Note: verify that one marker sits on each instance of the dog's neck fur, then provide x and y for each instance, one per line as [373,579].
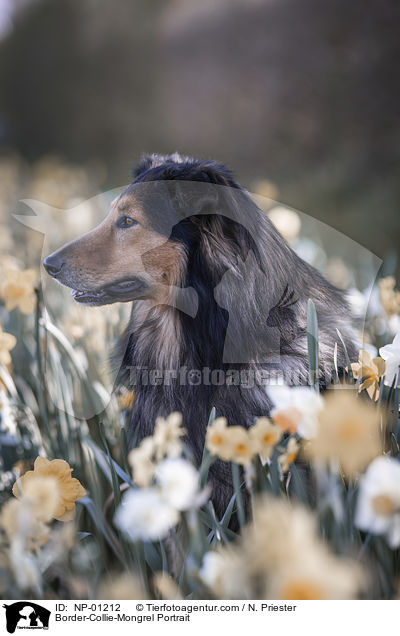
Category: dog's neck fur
[161,338]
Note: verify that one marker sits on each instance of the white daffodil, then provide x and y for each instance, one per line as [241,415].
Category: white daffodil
[378,505]
[179,483]
[146,515]
[391,354]
[296,409]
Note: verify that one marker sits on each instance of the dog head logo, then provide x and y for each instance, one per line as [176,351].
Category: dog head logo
[26,615]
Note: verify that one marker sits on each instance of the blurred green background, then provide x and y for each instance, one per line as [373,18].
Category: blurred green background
[300,98]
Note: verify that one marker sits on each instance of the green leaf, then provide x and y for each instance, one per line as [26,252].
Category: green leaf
[114,478]
[312,341]
[228,512]
[101,526]
[298,486]
[152,556]
[346,355]
[207,459]
[238,491]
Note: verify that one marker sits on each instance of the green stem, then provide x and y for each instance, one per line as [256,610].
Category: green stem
[41,380]
[238,492]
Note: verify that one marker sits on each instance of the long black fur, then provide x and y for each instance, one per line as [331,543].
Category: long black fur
[265,311]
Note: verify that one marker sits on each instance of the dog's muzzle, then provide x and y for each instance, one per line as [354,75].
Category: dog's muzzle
[119,291]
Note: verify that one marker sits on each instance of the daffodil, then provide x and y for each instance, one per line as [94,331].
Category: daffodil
[315,575]
[295,409]
[224,571]
[179,482]
[230,443]
[265,435]
[369,371]
[69,488]
[389,296]
[289,456]
[124,587]
[18,290]
[141,460]
[18,520]
[7,342]
[218,439]
[348,432]
[378,504]
[166,587]
[167,436]
[282,548]
[43,494]
[391,354]
[145,515]
[279,531]
[242,445]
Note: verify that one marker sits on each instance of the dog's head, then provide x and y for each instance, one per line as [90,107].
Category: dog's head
[133,254]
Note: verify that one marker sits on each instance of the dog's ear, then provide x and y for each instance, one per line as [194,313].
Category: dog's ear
[219,215]
[144,164]
[193,199]
[168,162]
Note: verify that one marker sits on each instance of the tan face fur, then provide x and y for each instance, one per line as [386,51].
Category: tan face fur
[125,248]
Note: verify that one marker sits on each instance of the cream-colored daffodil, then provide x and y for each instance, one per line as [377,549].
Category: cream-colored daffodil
[369,371]
[18,290]
[265,435]
[69,488]
[7,342]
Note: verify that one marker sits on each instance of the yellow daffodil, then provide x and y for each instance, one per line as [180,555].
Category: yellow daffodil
[18,290]
[69,488]
[369,371]
[348,432]
[7,342]
[265,435]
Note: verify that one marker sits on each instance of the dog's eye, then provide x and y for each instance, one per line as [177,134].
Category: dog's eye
[126,221]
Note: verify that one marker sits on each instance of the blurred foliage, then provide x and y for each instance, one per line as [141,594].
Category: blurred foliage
[304,94]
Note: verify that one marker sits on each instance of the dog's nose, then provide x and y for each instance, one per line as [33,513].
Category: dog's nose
[53,265]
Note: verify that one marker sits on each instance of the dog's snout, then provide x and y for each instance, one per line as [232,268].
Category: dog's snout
[53,265]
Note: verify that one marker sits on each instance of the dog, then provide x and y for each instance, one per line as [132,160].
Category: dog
[214,287]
